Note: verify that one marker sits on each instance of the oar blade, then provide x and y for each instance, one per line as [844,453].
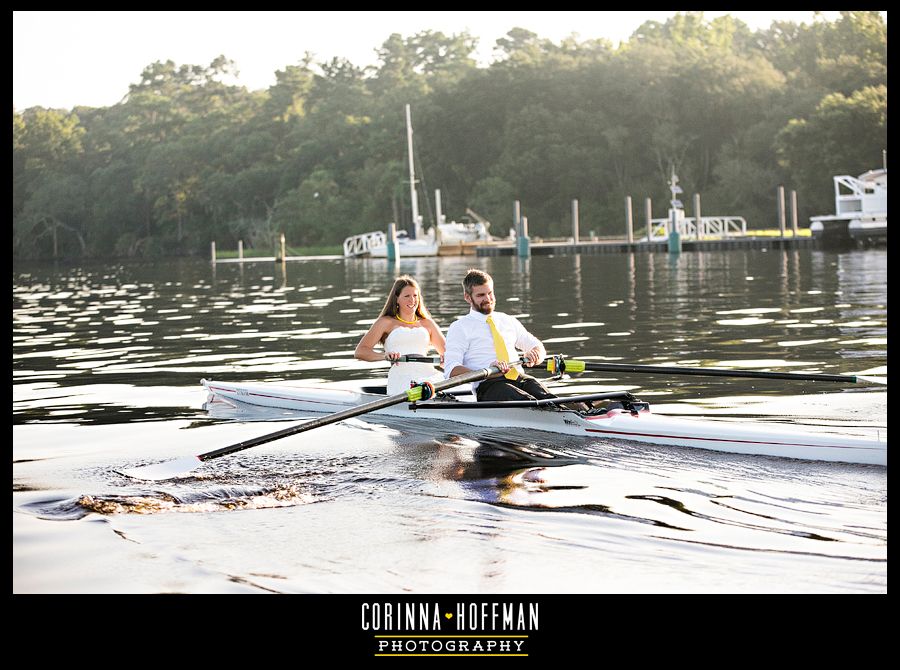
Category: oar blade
[162,471]
[182,466]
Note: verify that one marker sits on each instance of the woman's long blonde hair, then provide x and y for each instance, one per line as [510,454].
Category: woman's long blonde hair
[391,306]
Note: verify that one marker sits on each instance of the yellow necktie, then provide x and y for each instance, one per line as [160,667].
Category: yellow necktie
[500,348]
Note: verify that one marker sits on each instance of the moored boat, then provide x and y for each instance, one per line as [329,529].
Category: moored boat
[420,243]
[629,420]
[860,205]
[407,247]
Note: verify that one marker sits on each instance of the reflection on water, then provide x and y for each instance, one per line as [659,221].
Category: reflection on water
[131,327]
[718,499]
[107,363]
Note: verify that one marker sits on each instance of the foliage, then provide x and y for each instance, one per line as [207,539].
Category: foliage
[185,158]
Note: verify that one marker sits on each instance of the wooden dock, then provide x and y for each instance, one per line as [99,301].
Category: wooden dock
[274,259]
[563,247]
[619,247]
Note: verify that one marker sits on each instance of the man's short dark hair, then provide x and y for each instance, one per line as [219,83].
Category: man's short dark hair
[475,278]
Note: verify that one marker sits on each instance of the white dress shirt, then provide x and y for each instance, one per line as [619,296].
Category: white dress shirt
[471,345]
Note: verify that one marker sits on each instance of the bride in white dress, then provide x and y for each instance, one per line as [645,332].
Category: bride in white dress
[404,327]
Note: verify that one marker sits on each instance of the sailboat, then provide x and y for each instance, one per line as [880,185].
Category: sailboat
[421,244]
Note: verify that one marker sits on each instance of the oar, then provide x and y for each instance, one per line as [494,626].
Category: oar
[416,358]
[558,364]
[182,466]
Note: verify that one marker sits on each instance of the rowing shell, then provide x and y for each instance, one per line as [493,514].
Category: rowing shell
[619,424]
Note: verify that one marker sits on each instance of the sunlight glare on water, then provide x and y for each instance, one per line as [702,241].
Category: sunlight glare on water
[107,361]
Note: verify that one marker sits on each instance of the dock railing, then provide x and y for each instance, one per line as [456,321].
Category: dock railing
[357,245]
[710,227]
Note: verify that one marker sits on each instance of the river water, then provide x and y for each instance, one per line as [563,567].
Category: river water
[107,360]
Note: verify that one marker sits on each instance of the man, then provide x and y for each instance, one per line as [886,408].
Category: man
[485,338]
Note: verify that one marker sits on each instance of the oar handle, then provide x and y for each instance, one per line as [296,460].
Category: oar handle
[416,358]
[558,364]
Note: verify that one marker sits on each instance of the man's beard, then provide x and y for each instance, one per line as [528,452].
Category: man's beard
[487,307]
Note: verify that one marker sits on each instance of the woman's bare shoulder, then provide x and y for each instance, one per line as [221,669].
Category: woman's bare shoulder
[386,324]
[381,326]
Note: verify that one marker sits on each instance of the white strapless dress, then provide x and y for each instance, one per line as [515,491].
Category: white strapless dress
[409,341]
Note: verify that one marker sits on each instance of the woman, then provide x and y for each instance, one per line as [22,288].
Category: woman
[403,327]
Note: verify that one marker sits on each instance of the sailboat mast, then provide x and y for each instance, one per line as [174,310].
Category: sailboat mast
[417,220]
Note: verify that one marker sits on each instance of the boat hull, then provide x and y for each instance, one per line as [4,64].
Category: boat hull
[831,231]
[643,426]
[868,232]
[408,249]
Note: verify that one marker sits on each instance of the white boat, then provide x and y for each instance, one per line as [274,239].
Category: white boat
[631,420]
[454,232]
[860,205]
[408,247]
[420,244]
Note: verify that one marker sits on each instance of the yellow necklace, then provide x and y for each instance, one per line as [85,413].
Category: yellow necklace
[397,316]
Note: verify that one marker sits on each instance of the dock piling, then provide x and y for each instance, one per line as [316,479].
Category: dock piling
[781,212]
[523,240]
[794,213]
[698,219]
[674,235]
[523,245]
[575,221]
[393,251]
[648,214]
[629,223]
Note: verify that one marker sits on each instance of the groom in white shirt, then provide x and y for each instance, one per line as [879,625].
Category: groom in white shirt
[485,338]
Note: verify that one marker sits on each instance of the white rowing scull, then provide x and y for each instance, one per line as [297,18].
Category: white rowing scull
[631,421]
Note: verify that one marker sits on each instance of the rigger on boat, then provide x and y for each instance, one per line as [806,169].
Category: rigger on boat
[624,417]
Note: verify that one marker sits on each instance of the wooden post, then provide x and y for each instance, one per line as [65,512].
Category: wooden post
[794,212]
[393,250]
[212,249]
[517,218]
[781,212]
[575,221]
[241,250]
[438,211]
[629,224]
[674,235]
[524,243]
[283,254]
[439,214]
[648,213]
[698,219]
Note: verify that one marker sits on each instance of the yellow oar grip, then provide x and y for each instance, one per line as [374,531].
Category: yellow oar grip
[570,365]
[414,394]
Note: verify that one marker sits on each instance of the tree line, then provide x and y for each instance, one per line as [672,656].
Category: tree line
[185,158]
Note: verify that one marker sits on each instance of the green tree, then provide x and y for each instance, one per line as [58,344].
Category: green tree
[185,157]
[843,135]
